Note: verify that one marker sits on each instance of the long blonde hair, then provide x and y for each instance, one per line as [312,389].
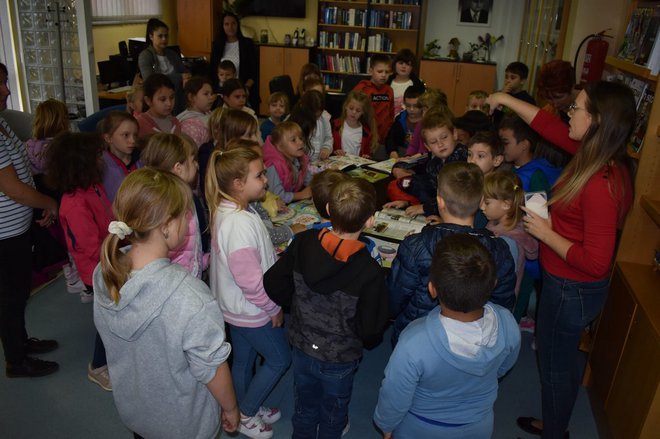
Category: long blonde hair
[368,117]
[224,167]
[612,109]
[147,199]
[50,119]
[506,186]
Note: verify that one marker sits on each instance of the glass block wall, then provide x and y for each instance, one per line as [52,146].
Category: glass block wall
[50,53]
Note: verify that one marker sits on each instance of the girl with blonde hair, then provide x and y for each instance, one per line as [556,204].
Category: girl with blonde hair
[241,252]
[355,131]
[163,331]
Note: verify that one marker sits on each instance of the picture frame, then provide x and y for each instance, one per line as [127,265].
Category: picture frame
[475,12]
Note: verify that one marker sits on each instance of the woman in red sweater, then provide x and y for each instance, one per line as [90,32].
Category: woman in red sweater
[589,201]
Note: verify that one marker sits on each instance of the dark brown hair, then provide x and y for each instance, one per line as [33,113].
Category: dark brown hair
[72,161]
[322,185]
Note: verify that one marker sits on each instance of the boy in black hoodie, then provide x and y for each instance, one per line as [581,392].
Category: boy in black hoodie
[338,302]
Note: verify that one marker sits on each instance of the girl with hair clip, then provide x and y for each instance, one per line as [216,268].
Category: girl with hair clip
[589,202]
[121,156]
[501,203]
[178,155]
[226,124]
[159,97]
[74,168]
[158,58]
[241,253]
[233,46]
[163,330]
[287,162]
[355,131]
[195,119]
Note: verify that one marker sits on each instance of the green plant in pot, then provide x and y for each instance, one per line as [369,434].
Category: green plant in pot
[432,49]
[469,55]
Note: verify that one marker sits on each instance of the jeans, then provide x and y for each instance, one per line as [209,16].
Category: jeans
[565,308]
[322,392]
[271,344]
[15,279]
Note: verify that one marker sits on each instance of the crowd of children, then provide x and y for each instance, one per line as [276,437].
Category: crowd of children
[195,192]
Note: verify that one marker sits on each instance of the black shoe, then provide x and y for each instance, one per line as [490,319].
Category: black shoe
[526,425]
[36,346]
[31,367]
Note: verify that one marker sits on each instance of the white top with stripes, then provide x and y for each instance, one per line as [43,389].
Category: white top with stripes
[15,218]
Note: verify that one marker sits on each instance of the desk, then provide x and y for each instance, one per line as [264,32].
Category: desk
[107,99]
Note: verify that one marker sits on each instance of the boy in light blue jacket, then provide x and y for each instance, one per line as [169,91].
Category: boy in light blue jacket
[441,380]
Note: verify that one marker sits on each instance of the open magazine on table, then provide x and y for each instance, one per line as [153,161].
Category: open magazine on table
[394,225]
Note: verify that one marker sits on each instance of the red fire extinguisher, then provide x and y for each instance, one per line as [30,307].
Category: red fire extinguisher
[594,58]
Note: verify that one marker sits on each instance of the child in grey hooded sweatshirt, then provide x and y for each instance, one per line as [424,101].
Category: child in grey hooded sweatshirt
[163,330]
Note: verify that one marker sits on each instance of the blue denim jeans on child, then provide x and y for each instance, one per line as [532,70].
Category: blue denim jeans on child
[322,391]
[270,343]
[565,308]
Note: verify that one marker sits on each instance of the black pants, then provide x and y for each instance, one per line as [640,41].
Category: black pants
[15,279]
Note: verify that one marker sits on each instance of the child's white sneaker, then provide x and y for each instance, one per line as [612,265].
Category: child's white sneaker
[269,415]
[86,297]
[254,427]
[73,283]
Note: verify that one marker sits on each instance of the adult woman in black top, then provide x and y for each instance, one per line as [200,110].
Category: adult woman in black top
[158,58]
[232,45]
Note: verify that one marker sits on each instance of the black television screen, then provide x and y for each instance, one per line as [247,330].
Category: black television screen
[275,8]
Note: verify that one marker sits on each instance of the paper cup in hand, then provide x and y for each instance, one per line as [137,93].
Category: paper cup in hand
[537,202]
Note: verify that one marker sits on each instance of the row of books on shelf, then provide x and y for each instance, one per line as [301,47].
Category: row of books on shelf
[333,82]
[395,2]
[640,40]
[379,43]
[346,17]
[339,63]
[644,95]
[342,40]
[390,19]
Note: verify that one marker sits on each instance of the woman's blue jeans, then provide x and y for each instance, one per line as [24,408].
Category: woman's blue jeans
[271,344]
[565,308]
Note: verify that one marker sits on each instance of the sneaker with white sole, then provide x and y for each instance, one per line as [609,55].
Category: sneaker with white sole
[269,415]
[254,427]
[74,284]
[100,376]
[86,297]
[346,429]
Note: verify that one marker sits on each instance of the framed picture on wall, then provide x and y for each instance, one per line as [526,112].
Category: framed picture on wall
[475,12]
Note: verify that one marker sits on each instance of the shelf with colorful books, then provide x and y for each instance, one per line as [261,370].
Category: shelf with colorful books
[359,29]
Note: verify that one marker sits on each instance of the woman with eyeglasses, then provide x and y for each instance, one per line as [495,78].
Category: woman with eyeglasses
[589,202]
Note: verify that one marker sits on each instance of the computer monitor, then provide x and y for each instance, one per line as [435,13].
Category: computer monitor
[110,72]
[135,46]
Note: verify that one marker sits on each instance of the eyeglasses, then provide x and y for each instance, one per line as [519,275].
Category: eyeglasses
[573,108]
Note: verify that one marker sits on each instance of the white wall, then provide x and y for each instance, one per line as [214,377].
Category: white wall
[506,19]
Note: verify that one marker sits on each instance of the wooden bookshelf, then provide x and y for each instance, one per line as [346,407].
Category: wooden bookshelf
[624,380]
[628,67]
[338,40]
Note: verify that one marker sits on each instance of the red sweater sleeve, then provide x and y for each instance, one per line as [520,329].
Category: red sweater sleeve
[552,129]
